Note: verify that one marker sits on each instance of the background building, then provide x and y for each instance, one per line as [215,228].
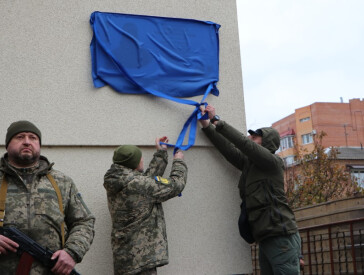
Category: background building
[46,78]
[342,122]
[352,158]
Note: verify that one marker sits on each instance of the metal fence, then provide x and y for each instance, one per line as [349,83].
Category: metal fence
[335,248]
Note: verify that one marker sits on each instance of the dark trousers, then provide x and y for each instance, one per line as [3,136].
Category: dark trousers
[280,255]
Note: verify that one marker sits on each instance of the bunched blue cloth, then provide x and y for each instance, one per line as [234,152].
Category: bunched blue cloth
[171,58]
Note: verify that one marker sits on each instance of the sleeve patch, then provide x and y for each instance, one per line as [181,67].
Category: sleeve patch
[161,180]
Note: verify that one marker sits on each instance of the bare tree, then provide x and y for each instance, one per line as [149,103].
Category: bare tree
[318,177]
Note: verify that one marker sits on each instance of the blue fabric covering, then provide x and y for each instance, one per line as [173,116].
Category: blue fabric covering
[167,57]
[142,54]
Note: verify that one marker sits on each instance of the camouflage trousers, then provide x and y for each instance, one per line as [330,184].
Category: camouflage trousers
[152,271]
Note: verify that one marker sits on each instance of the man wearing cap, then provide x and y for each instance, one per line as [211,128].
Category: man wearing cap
[138,237]
[32,205]
[270,220]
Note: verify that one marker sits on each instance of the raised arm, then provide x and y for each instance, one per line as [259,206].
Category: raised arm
[159,189]
[225,147]
[158,164]
[257,154]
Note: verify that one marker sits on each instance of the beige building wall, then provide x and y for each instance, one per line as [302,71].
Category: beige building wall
[45,73]
[305,127]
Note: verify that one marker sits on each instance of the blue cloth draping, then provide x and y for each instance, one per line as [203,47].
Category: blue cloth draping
[171,58]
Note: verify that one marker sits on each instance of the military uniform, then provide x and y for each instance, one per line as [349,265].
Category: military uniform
[138,237]
[32,206]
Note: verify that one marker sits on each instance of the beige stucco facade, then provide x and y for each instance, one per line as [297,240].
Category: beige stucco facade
[46,78]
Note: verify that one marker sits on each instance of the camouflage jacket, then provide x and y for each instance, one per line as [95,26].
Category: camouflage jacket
[138,236]
[32,206]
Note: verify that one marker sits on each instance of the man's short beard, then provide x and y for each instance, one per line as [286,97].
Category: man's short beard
[25,160]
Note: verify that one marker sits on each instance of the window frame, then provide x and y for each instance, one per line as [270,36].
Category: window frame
[305,119]
[289,142]
[307,138]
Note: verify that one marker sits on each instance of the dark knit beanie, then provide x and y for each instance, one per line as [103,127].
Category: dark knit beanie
[127,155]
[19,127]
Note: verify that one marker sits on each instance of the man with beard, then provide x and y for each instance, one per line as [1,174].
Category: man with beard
[29,189]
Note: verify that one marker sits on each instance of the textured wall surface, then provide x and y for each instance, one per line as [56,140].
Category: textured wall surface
[46,78]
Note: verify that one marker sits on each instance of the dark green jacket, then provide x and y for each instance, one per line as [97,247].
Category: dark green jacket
[262,178]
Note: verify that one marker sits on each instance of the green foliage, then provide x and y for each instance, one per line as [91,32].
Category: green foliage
[318,177]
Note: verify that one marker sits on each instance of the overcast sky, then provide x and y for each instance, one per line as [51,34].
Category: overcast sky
[295,53]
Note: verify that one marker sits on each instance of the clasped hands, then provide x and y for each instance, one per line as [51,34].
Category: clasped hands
[211,112]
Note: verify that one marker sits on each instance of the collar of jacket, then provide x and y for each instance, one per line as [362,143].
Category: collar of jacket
[44,166]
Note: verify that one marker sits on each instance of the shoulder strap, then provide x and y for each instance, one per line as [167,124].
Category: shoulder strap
[59,196]
[3,192]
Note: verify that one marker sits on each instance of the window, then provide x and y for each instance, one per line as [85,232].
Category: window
[357,174]
[286,142]
[305,119]
[306,139]
[288,161]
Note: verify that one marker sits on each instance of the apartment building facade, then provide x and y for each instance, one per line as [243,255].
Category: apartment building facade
[342,122]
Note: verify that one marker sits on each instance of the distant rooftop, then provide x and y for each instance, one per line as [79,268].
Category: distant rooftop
[350,153]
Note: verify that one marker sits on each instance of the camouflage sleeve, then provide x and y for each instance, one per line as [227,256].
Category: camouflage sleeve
[80,223]
[158,164]
[159,189]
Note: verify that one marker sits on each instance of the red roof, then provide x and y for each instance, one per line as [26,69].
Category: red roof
[287,133]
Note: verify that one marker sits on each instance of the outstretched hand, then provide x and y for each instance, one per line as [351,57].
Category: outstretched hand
[204,122]
[178,155]
[158,144]
[211,111]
